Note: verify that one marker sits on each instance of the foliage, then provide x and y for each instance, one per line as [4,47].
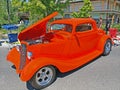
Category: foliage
[38,9]
[116,26]
[84,11]
[3,13]
[103,26]
[3,31]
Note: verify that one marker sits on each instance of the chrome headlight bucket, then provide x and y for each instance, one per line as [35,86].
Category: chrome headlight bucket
[29,55]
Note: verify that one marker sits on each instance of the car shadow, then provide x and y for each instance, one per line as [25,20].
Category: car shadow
[29,87]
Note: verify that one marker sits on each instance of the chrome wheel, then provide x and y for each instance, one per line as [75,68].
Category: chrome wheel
[107,47]
[44,76]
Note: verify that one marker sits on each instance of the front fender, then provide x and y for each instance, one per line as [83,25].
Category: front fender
[31,68]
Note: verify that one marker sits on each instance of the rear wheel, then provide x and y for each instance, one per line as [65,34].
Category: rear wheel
[43,77]
[107,47]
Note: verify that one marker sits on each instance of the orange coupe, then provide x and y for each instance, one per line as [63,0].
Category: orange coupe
[67,44]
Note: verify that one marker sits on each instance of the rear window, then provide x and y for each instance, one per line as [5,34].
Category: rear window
[83,27]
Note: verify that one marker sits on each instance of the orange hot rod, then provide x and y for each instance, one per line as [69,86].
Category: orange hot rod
[66,45]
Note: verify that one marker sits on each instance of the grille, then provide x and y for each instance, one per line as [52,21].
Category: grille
[22,56]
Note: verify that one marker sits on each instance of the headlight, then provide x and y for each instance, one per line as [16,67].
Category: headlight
[29,55]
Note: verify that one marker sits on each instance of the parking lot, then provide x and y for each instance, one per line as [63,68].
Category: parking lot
[101,74]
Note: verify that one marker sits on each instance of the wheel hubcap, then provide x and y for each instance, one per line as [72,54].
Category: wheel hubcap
[108,47]
[44,76]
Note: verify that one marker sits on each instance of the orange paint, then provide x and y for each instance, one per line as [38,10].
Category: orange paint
[65,50]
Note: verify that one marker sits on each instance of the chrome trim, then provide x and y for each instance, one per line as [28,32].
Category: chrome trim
[23,53]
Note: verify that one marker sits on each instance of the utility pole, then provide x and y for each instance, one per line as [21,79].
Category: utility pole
[8,10]
[108,7]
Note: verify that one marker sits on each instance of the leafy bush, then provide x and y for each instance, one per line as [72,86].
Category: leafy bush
[103,26]
[84,12]
[116,26]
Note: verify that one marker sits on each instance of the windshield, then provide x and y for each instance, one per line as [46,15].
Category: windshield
[64,27]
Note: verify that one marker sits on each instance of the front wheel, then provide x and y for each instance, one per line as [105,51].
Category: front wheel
[43,77]
[107,47]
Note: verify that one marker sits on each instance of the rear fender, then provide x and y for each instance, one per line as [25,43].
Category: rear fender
[102,42]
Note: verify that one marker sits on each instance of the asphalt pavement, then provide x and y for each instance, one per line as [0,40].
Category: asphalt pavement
[101,74]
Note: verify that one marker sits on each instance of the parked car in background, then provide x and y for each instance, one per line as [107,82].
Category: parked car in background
[67,45]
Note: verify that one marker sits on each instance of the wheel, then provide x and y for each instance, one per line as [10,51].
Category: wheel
[107,47]
[43,77]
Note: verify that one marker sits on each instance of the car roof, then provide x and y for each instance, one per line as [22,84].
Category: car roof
[74,21]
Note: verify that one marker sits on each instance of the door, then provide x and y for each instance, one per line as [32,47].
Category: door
[84,41]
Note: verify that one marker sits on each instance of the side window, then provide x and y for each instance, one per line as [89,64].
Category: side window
[68,28]
[83,27]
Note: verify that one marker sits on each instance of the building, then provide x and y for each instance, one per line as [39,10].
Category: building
[101,8]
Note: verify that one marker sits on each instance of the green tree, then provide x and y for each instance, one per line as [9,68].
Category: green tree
[7,13]
[54,5]
[39,8]
[84,11]
[3,13]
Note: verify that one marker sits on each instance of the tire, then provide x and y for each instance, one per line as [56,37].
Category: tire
[107,47]
[43,77]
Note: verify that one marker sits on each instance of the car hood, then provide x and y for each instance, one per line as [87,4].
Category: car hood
[37,29]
